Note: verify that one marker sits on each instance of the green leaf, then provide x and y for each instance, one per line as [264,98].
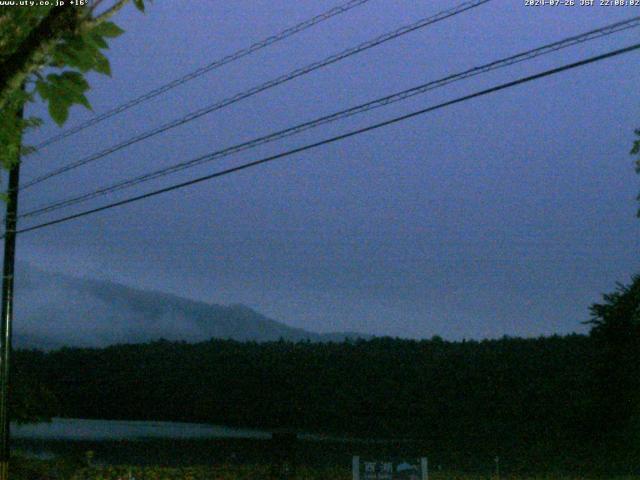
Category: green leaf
[42,88]
[139,4]
[108,29]
[73,81]
[77,54]
[59,111]
[97,39]
[62,91]
[84,101]
[102,64]
[32,122]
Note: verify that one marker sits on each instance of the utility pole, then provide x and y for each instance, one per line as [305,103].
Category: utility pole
[11,222]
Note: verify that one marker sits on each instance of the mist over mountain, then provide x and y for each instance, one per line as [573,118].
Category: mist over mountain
[54,310]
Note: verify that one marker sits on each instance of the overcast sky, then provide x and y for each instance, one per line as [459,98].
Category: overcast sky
[508,214]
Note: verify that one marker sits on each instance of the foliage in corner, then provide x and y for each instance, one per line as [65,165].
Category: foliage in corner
[635,150]
[618,317]
[616,330]
[46,51]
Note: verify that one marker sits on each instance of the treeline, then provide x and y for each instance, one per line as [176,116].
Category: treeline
[499,391]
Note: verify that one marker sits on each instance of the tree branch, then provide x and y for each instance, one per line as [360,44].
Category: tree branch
[94,5]
[110,12]
[33,51]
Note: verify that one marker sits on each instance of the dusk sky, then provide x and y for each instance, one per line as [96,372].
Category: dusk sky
[505,215]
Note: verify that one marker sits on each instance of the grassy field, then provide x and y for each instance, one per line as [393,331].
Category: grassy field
[76,469]
[321,454]
[261,472]
[164,459]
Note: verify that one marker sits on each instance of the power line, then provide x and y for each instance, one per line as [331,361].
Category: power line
[260,88]
[289,32]
[380,102]
[337,138]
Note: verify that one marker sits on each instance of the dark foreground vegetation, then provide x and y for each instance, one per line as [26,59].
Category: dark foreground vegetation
[558,402]
[508,389]
[69,470]
[530,401]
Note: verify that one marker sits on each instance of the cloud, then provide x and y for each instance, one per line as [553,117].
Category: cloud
[53,310]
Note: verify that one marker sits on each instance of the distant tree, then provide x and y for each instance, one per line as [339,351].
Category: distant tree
[618,317]
[47,50]
[32,402]
[30,399]
[616,331]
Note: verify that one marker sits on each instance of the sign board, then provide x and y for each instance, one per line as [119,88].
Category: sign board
[369,469]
